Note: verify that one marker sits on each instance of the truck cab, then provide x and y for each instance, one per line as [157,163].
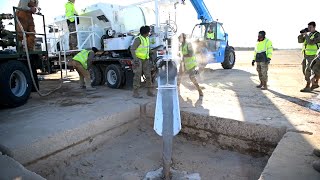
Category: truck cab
[211,45]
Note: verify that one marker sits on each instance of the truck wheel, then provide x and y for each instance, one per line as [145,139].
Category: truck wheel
[15,83]
[95,75]
[113,76]
[229,58]
[102,70]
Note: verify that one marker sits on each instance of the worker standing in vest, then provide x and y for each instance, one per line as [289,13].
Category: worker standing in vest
[70,13]
[140,50]
[263,55]
[81,62]
[28,7]
[188,63]
[311,42]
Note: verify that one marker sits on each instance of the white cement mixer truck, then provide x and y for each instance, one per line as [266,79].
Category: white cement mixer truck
[111,28]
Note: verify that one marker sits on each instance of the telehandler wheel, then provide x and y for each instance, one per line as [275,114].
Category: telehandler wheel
[15,83]
[95,75]
[229,58]
[113,76]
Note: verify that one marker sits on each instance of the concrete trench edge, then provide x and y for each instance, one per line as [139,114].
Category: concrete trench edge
[141,112]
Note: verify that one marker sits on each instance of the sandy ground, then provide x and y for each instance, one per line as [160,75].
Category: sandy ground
[131,155]
[232,93]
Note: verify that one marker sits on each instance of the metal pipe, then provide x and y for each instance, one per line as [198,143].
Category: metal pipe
[167,127]
[30,67]
[76,23]
[156,8]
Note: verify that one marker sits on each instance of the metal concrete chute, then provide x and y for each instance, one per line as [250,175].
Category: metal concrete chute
[167,120]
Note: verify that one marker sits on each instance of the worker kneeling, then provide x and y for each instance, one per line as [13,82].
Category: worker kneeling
[189,62]
[81,62]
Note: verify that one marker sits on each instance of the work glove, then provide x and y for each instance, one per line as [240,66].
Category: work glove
[252,63]
[268,61]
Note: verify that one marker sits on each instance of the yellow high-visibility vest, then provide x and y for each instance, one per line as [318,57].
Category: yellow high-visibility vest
[70,11]
[189,62]
[309,49]
[142,52]
[264,46]
[210,35]
[82,58]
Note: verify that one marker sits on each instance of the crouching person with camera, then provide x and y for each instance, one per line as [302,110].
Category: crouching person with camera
[311,43]
[263,55]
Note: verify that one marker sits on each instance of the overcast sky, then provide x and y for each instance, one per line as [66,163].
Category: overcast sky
[281,19]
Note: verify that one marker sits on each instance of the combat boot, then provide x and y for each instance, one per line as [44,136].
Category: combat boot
[90,88]
[307,88]
[150,93]
[316,152]
[264,86]
[200,92]
[316,165]
[88,85]
[199,89]
[136,94]
[259,86]
[82,87]
[314,86]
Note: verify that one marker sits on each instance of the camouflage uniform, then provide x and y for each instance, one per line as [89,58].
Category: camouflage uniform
[192,76]
[262,68]
[140,67]
[70,12]
[308,58]
[315,67]
[73,41]
[144,67]
[190,72]
[262,55]
[84,75]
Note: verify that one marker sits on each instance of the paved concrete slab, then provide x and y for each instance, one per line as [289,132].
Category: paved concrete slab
[292,159]
[12,170]
[67,118]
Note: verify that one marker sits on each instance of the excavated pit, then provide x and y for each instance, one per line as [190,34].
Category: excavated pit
[247,138]
[210,146]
